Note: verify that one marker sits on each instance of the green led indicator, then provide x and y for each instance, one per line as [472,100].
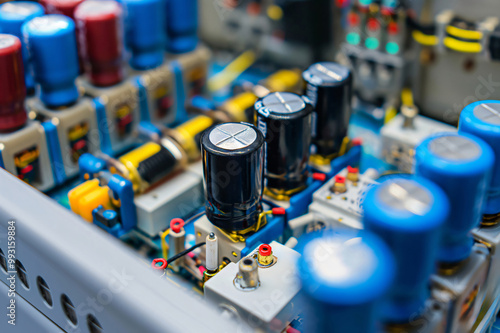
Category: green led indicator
[371,43]
[392,48]
[353,38]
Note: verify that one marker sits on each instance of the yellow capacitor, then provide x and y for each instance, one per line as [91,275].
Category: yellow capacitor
[237,105]
[285,80]
[86,197]
[187,134]
[132,160]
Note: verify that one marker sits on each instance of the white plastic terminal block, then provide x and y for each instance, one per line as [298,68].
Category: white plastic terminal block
[179,196]
[270,301]
[340,209]
[399,142]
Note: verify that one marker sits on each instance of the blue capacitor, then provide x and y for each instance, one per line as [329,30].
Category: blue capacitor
[391,4]
[12,17]
[51,42]
[146,34]
[482,119]
[344,276]
[182,25]
[461,165]
[407,213]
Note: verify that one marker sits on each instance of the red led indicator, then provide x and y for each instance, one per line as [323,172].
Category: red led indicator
[373,24]
[393,28]
[353,19]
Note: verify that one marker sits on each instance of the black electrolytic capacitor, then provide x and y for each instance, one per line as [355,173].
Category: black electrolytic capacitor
[329,87]
[285,120]
[233,167]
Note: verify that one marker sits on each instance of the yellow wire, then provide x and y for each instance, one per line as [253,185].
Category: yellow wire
[461,46]
[462,33]
[164,245]
[425,39]
[232,71]
[390,113]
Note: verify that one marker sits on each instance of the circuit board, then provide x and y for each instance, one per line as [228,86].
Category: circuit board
[249,166]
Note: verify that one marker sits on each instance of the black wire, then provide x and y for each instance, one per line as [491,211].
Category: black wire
[183,253]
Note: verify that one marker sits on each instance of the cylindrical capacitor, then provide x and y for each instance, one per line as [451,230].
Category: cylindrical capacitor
[12,16]
[63,7]
[233,162]
[188,135]
[329,87]
[52,46]
[407,213]
[152,162]
[482,119]
[146,34]
[344,275]
[212,252]
[285,121]
[182,25]
[461,165]
[100,37]
[12,88]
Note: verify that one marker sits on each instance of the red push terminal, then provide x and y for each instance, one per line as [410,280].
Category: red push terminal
[176,225]
[12,86]
[99,26]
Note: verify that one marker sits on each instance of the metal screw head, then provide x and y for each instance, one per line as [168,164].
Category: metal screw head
[455,148]
[488,112]
[283,102]
[232,136]
[406,195]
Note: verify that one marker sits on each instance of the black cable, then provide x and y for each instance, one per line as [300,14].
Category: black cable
[183,253]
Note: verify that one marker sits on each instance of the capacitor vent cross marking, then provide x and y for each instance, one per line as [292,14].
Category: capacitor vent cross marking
[455,148]
[406,196]
[488,112]
[233,136]
[328,72]
[283,102]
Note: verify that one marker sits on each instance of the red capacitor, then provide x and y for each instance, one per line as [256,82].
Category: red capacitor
[100,38]
[12,86]
[64,7]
